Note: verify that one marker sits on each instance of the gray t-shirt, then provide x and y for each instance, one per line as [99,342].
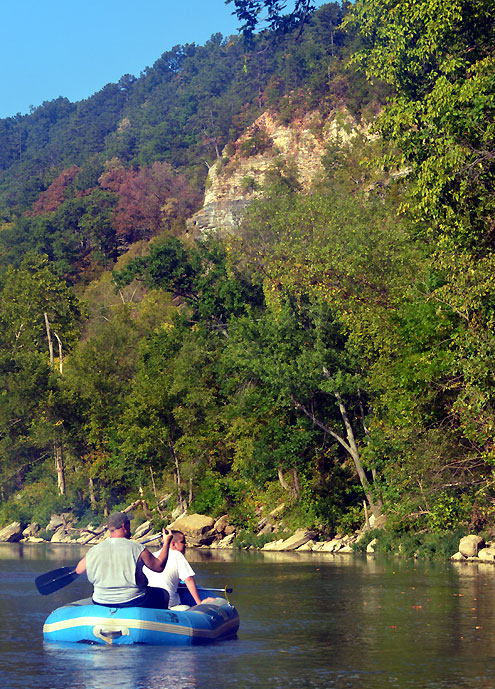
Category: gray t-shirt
[111,568]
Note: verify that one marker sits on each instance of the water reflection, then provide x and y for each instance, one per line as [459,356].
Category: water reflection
[42,551]
[95,667]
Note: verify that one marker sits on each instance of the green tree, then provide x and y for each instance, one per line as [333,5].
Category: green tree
[172,423]
[211,286]
[439,59]
[98,378]
[40,318]
[299,354]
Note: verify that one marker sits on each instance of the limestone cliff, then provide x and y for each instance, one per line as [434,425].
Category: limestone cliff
[235,180]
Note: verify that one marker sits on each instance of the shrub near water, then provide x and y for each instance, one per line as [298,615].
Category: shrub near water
[439,545]
[246,539]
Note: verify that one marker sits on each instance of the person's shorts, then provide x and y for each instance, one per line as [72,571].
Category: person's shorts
[153,598]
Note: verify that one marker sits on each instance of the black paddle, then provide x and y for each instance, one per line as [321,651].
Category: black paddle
[63,576]
[55,580]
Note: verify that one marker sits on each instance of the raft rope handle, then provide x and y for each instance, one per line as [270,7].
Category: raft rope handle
[227,596]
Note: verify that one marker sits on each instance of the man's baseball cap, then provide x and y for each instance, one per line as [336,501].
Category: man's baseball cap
[117,519]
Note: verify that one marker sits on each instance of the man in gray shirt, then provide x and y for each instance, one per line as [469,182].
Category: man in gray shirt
[114,567]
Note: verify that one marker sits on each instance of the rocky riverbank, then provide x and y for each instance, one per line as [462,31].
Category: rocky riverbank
[474,548]
[204,532]
[200,530]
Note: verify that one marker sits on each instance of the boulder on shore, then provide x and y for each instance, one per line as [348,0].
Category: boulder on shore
[32,530]
[62,535]
[225,542]
[221,524]
[142,531]
[58,520]
[470,545]
[487,554]
[299,538]
[11,533]
[198,529]
[274,545]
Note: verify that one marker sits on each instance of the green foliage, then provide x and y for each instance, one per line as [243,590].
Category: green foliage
[448,511]
[45,535]
[338,349]
[249,183]
[35,503]
[213,289]
[439,545]
[365,539]
[211,497]
[219,495]
[254,13]
[439,59]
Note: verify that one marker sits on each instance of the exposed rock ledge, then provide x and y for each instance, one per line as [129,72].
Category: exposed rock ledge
[235,181]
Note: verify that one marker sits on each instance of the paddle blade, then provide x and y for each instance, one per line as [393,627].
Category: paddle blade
[55,580]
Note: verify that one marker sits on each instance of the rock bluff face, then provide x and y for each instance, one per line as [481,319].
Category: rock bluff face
[235,181]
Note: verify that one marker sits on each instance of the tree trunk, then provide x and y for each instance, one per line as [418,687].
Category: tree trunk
[92,496]
[49,338]
[374,506]
[59,466]
[282,480]
[366,515]
[157,500]
[350,446]
[180,499]
[57,445]
[297,486]
[60,354]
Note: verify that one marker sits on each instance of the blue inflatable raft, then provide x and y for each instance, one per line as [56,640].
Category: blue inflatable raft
[84,622]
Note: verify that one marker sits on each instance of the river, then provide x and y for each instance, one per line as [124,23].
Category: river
[308,621]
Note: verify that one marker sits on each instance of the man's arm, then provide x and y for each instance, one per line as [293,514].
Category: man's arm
[157,564]
[81,566]
[193,590]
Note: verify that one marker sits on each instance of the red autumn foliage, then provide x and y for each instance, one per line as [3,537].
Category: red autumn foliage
[51,199]
[149,199]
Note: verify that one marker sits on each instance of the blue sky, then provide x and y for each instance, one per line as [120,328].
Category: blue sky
[72,48]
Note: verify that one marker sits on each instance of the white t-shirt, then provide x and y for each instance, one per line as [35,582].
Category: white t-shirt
[176,569]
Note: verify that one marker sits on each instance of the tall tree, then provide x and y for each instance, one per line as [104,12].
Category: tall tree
[274,13]
[40,318]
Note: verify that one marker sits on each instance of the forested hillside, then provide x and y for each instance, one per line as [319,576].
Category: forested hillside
[335,354]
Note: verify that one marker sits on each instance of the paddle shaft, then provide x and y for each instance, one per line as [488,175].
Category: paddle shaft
[207,588]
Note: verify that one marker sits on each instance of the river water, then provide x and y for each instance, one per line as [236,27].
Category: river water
[308,621]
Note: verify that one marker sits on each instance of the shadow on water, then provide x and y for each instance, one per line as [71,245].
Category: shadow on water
[307,621]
